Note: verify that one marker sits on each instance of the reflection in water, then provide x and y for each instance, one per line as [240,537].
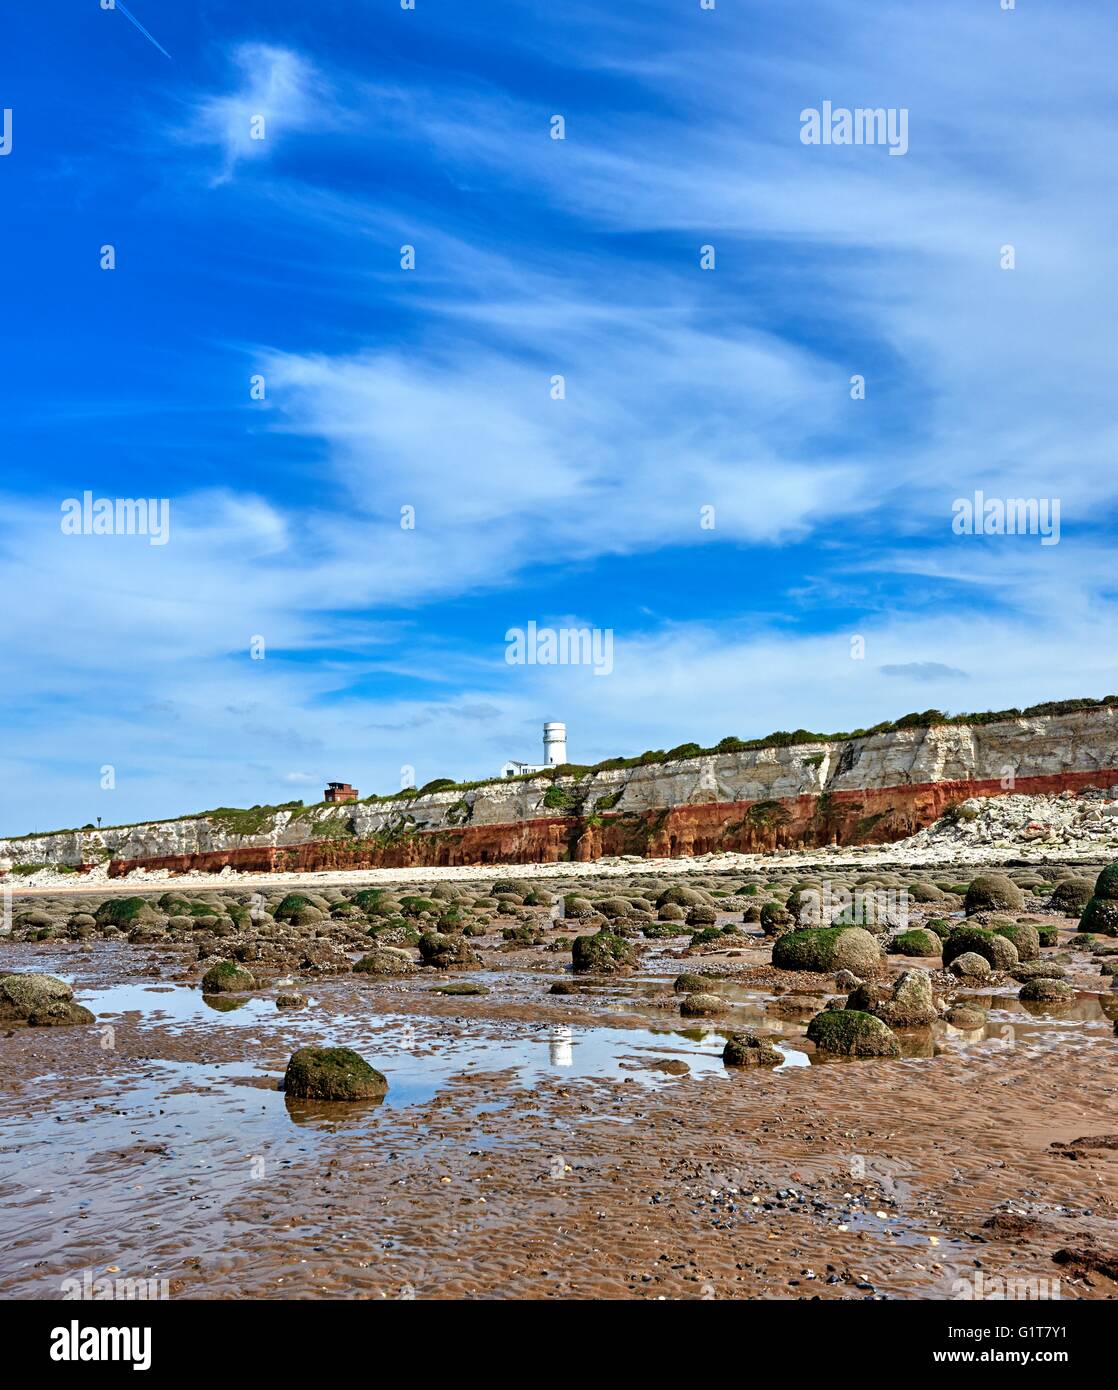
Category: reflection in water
[562,1046]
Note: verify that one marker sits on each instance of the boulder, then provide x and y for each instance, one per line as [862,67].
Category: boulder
[1024,936]
[443,952]
[963,1016]
[851,1033]
[970,966]
[748,1050]
[1045,991]
[702,1006]
[386,960]
[989,892]
[828,949]
[332,1073]
[604,953]
[916,942]
[40,1001]
[227,977]
[998,951]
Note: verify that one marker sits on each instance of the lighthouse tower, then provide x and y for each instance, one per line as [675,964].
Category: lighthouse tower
[554,744]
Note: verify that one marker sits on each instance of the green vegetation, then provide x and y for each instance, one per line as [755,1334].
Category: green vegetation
[256,818]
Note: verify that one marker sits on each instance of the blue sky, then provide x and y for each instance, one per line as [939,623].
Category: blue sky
[685,388]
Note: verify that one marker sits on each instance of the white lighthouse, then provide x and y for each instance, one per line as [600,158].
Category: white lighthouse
[554,753]
[554,744]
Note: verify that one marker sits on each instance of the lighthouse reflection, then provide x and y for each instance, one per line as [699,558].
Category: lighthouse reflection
[560,1046]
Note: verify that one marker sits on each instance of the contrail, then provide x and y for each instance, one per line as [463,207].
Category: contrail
[142,30]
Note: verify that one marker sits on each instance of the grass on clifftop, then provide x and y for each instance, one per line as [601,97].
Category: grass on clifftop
[254,819]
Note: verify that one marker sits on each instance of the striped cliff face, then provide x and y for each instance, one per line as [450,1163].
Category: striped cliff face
[871,790]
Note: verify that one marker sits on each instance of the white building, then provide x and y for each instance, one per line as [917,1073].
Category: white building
[554,753]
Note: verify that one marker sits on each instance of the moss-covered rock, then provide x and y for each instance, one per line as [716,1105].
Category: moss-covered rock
[671,912]
[680,896]
[332,1073]
[990,892]
[748,1050]
[1044,991]
[40,1001]
[1100,915]
[690,983]
[916,942]
[701,916]
[1039,970]
[386,960]
[1106,885]
[123,912]
[775,919]
[997,951]
[227,977]
[1024,936]
[447,952]
[851,1033]
[603,953]
[1071,895]
[970,966]
[1048,934]
[827,949]
[702,1006]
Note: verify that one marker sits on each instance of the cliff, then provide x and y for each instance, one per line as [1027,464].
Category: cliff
[866,790]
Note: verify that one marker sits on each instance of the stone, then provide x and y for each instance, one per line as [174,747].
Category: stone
[604,953]
[828,949]
[386,960]
[748,1050]
[962,1016]
[970,965]
[992,891]
[916,942]
[332,1073]
[40,1001]
[227,977]
[447,952]
[851,1033]
[1044,991]
[702,1006]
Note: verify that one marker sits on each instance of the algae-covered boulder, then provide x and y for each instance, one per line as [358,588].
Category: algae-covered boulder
[386,960]
[1024,936]
[702,1006]
[748,1050]
[997,951]
[1106,885]
[40,1001]
[827,949]
[989,892]
[1100,915]
[447,952]
[1045,991]
[680,897]
[916,942]
[850,1033]
[603,953]
[227,977]
[775,919]
[912,1005]
[701,916]
[332,1073]
[1071,895]
[970,966]
[690,983]
[1039,970]
[671,912]
[123,912]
